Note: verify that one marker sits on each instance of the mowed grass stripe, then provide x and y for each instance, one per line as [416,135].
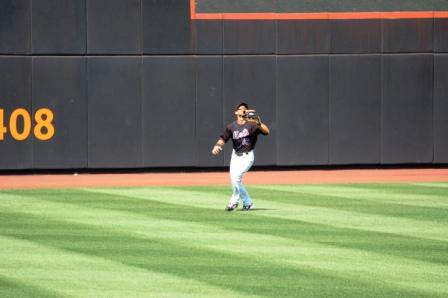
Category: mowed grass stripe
[294,210]
[231,271]
[432,185]
[355,238]
[360,204]
[10,287]
[409,194]
[351,198]
[295,228]
[385,243]
[57,271]
[358,200]
[394,268]
[427,191]
[263,222]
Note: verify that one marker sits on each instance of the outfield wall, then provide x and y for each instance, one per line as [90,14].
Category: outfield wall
[138,84]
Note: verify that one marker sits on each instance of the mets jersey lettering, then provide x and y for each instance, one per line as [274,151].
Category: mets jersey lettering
[244,137]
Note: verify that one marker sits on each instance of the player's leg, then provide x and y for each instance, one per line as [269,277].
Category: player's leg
[234,170]
[248,161]
[244,195]
[240,165]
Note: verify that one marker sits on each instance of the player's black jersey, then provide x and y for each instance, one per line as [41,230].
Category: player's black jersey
[244,137]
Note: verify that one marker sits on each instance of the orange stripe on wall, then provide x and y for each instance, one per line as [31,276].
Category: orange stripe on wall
[321,15]
[193,9]
[441,14]
[316,15]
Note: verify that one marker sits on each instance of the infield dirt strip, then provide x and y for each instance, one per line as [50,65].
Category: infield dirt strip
[222,178]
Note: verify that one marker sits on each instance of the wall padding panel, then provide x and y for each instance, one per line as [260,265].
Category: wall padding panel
[169,92]
[303,37]
[302,110]
[441,35]
[249,37]
[355,109]
[441,108]
[407,109]
[59,26]
[15,26]
[167,28]
[208,36]
[59,84]
[114,26]
[355,36]
[252,80]
[15,92]
[114,112]
[408,35]
[209,113]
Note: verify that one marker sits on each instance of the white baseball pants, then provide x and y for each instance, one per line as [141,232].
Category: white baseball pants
[240,164]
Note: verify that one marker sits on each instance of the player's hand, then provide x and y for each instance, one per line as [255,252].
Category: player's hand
[216,150]
[252,116]
[256,121]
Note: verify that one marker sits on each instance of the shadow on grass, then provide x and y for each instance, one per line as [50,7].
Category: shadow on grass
[256,209]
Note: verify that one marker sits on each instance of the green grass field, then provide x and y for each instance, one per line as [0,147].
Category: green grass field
[388,240]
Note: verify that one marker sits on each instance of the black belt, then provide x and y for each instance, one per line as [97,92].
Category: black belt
[241,153]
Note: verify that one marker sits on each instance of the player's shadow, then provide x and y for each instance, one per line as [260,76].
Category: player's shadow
[256,209]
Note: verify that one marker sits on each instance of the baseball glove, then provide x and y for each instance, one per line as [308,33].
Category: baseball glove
[252,116]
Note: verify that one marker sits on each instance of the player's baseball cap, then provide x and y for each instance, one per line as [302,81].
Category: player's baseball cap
[242,104]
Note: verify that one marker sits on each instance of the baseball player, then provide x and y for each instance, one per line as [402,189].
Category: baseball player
[244,132]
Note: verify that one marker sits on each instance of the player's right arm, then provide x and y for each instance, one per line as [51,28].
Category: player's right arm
[227,134]
[218,147]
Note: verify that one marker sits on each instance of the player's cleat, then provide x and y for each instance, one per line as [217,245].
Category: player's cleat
[231,207]
[248,207]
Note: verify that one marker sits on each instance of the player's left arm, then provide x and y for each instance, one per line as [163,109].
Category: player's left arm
[264,128]
[253,117]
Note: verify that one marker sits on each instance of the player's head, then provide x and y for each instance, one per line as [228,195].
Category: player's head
[241,108]
[243,104]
